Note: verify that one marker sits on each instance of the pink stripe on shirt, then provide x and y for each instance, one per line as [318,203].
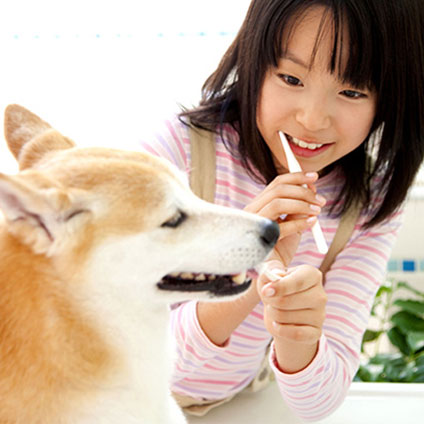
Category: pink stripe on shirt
[317,390]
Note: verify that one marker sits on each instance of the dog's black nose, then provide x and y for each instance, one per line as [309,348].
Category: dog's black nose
[270,233]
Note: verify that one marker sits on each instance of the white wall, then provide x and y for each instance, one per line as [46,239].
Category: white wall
[410,243]
[104,71]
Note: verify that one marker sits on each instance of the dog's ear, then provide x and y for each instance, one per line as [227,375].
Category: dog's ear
[38,211]
[29,137]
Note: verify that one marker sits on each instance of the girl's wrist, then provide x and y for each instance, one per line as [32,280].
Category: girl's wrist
[219,319]
[292,357]
[251,295]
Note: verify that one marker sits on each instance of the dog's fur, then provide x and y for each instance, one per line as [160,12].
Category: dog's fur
[87,234]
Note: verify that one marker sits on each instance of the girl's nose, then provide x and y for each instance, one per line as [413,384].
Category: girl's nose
[314,116]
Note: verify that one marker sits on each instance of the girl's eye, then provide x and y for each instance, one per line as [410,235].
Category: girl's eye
[290,80]
[352,94]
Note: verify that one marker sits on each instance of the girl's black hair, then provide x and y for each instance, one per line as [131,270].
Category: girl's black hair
[385,53]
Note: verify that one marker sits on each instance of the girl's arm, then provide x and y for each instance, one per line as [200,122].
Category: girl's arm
[206,370]
[219,346]
[317,390]
[218,320]
[216,366]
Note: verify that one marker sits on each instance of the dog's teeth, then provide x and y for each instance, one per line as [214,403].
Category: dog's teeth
[239,278]
[174,274]
[187,276]
[200,277]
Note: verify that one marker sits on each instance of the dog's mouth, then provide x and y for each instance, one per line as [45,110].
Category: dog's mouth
[218,285]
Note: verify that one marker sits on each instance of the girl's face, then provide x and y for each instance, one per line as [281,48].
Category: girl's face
[322,117]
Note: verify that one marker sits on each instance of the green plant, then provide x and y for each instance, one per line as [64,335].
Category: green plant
[399,323]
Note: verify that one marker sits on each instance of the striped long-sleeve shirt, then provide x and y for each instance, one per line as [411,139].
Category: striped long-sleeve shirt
[204,370]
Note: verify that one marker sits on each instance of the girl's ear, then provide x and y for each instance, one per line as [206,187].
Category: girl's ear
[37,215]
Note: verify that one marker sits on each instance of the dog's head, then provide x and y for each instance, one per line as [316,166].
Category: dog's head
[123,218]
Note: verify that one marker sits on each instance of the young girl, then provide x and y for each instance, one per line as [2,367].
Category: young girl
[344,81]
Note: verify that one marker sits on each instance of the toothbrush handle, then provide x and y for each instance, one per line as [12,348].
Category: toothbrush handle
[319,238]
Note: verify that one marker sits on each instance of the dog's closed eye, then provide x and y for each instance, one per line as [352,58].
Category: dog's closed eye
[75,213]
[176,220]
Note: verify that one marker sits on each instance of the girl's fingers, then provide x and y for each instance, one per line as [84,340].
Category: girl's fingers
[299,279]
[295,178]
[298,333]
[288,191]
[274,205]
[309,299]
[285,187]
[313,317]
[296,226]
[277,207]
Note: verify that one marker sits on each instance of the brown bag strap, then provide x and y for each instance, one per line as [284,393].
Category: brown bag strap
[202,182]
[203,160]
[342,236]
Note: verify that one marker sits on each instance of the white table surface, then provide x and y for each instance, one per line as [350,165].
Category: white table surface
[366,403]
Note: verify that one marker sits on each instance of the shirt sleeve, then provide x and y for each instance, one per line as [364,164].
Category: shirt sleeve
[351,285]
[204,370]
[172,143]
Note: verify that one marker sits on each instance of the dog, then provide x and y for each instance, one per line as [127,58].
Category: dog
[95,245]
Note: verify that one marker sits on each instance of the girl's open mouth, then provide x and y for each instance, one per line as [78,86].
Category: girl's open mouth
[306,149]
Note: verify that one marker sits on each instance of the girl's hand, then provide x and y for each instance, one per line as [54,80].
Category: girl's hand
[294,312]
[291,200]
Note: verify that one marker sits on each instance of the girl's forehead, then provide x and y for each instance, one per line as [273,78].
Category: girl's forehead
[311,40]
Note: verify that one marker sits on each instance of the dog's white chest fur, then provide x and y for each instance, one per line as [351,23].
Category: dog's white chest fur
[138,391]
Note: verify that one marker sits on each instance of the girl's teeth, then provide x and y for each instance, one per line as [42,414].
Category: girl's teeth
[303,144]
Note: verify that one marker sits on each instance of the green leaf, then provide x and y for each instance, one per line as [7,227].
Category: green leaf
[399,340]
[369,373]
[384,358]
[419,360]
[397,371]
[405,285]
[417,378]
[413,306]
[407,335]
[363,374]
[382,290]
[418,375]
[407,322]
[415,340]
[371,335]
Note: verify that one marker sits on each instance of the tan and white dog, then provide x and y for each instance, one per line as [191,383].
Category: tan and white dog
[87,237]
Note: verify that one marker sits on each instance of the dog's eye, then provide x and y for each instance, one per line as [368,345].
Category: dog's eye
[75,213]
[176,220]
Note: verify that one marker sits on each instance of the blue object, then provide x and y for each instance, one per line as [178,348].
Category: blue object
[408,265]
[393,265]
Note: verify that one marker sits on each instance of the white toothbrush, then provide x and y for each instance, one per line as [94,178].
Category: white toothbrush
[263,268]
[295,167]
